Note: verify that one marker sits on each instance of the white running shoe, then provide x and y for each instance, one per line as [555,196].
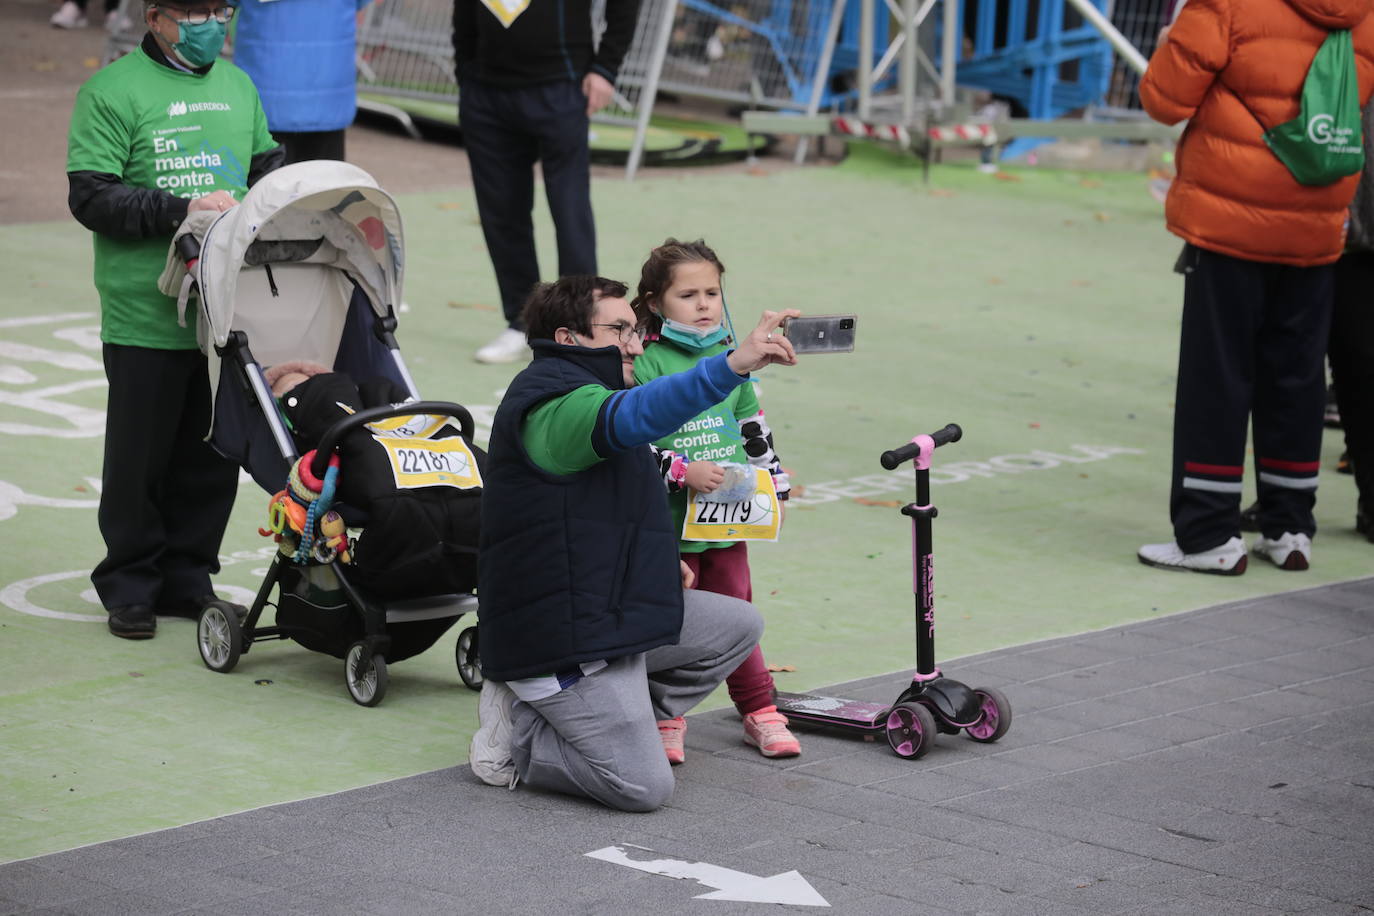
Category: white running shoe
[1289,551]
[489,753]
[508,347]
[1226,560]
[68,16]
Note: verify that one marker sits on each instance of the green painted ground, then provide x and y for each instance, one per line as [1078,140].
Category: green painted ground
[1038,312]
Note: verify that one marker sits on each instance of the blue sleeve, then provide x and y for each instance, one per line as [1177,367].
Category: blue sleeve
[640,415]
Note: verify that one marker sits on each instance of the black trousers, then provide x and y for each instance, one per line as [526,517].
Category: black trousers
[311,144]
[165,494]
[1252,351]
[1352,365]
[506,131]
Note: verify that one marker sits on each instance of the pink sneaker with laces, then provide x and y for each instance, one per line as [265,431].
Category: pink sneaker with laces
[766,729]
[672,731]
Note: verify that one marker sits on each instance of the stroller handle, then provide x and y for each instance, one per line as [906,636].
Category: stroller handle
[334,434]
[893,457]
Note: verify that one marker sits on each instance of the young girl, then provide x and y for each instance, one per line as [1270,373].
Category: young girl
[680,304]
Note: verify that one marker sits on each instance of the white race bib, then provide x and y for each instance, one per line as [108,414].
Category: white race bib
[754,519]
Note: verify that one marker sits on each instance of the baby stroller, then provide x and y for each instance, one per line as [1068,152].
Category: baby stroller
[309,268]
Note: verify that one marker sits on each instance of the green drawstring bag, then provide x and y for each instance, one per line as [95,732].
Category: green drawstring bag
[1323,144]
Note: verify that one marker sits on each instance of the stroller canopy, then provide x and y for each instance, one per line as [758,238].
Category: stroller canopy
[284,264]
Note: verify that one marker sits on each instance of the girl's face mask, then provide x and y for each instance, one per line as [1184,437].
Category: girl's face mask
[691,336]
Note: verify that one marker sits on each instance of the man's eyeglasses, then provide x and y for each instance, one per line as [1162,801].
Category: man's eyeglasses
[221,14]
[624,330]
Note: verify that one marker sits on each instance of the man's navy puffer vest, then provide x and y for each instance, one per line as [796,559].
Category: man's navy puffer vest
[578,567]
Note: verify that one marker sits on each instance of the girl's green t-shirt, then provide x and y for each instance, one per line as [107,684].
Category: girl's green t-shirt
[712,435]
[155,127]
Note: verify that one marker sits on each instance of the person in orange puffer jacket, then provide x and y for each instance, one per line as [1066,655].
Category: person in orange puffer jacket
[1257,272]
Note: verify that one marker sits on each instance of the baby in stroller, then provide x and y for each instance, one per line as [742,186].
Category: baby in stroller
[411,483]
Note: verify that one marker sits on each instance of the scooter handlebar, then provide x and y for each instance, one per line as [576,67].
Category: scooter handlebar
[894,457]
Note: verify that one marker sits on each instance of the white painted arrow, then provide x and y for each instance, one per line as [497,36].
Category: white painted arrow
[788,887]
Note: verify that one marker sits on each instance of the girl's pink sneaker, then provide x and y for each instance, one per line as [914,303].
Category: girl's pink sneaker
[766,729]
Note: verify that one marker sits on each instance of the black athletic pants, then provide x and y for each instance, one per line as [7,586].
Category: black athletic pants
[165,494]
[311,144]
[506,131]
[1251,351]
[1352,365]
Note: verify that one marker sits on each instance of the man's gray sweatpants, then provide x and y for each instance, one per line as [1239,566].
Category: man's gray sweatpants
[599,737]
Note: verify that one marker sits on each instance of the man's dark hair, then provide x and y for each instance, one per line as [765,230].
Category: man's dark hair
[567,303]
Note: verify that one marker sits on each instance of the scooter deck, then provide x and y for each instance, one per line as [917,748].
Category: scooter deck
[810,707]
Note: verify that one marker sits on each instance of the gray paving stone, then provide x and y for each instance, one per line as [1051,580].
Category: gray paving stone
[1215,762]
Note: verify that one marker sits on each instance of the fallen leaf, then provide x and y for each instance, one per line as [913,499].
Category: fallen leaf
[135,674]
[942,192]
[756,171]
[471,305]
[1068,222]
[996,281]
[1035,426]
[1082,283]
[772,667]
[45,66]
[450,205]
[1101,217]
[79,489]
[91,63]
[1084,476]
[1090,183]
[1006,176]
[885,503]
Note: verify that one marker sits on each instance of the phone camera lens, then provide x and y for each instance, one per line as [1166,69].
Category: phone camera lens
[846,324]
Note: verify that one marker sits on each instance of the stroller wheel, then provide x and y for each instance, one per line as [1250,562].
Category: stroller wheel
[910,730]
[365,674]
[220,638]
[996,715]
[469,661]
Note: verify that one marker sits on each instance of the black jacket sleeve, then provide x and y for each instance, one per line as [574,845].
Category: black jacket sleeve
[464,35]
[262,163]
[621,16]
[103,203]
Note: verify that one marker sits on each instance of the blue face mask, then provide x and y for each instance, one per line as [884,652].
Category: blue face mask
[199,45]
[692,337]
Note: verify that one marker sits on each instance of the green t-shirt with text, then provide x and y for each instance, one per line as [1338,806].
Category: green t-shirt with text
[712,435]
[155,127]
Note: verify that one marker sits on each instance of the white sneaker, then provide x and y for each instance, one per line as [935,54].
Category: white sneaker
[489,753]
[116,22]
[1226,560]
[69,16]
[1289,551]
[508,346]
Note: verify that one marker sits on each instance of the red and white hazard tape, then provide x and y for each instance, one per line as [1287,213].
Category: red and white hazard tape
[856,128]
[982,133]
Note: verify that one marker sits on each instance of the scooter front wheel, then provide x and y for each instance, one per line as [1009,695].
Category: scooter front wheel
[910,730]
[995,718]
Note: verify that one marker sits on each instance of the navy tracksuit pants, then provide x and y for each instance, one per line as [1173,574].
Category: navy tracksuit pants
[506,131]
[1251,353]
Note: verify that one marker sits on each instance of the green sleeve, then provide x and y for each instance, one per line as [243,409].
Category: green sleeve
[262,137]
[747,402]
[98,139]
[558,433]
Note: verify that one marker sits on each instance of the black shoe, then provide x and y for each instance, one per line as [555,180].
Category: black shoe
[190,608]
[1249,518]
[1365,525]
[135,621]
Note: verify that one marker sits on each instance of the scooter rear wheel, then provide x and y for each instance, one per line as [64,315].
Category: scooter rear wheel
[996,715]
[910,730]
[467,653]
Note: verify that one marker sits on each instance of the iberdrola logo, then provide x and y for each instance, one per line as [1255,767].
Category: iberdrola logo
[506,10]
[176,108]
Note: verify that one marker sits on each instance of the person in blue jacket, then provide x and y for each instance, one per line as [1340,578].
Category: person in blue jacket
[300,54]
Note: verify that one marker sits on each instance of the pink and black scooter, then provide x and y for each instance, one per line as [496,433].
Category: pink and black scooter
[931,703]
